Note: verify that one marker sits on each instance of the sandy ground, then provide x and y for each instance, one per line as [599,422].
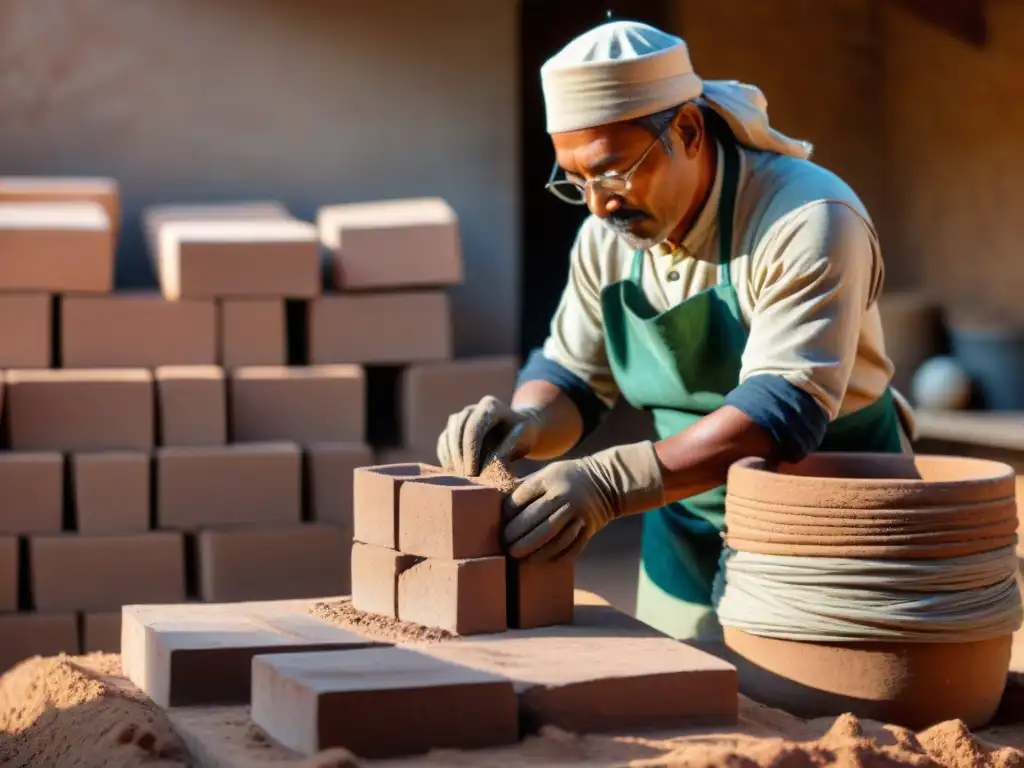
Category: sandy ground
[78,712]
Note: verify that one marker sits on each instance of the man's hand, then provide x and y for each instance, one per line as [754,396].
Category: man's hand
[488,429]
[554,512]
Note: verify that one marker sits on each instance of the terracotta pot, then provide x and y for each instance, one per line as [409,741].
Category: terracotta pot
[915,685]
[872,481]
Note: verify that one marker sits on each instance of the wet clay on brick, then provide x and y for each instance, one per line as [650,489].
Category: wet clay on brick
[192,403]
[602,675]
[108,571]
[380,702]
[111,492]
[463,596]
[305,404]
[294,561]
[186,655]
[31,492]
[376,493]
[330,467]
[30,347]
[375,574]
[252,332]
[539,594]
[228,485]
[449,517]
[24,635]
[136,329]
[101,632]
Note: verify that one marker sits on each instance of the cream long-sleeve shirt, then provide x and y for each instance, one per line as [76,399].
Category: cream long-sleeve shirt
[806,266]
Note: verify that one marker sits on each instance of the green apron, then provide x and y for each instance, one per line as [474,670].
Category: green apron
[680,364]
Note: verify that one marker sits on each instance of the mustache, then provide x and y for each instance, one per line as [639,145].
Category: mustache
[622,218]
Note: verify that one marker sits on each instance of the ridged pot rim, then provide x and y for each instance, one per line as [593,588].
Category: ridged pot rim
[980,480]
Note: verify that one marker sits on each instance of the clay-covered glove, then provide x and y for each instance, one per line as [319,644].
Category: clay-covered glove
[554,512]
[488,429]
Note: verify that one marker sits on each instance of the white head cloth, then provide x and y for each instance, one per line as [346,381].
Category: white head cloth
[626,69]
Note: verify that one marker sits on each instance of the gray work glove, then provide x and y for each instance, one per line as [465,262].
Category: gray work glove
[554,512]
[489,429]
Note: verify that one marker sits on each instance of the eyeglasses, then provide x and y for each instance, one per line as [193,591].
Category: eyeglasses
[611,184]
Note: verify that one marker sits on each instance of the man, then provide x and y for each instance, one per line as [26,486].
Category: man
[723,282]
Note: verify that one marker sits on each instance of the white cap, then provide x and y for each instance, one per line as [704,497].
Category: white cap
[622,70]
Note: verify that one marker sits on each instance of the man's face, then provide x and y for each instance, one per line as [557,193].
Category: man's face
[661,189]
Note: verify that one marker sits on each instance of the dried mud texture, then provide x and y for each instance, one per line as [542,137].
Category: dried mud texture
[75,712]
[342,613]
[497,475]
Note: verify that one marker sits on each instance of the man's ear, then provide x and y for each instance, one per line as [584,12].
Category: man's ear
[688,124]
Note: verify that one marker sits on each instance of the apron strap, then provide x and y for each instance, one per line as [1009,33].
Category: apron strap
[637,270]
[727,211]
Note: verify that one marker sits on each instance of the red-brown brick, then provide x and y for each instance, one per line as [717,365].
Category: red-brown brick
[31,492]
[330,470]
[375,572]
[253,332]
[31,346]
[24,635]
[192,405]
[111,492]
[376,495]
[539,594]
[101,190]
[101,632]
[8,573]
[449,517]
[463,596]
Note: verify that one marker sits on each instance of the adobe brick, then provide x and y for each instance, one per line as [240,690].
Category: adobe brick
[539,594]
[24,635]
[375,572]
[8,573]
[392,244]
[306,404]
[449,517]
[56,248]
[253,332]
[155,216]
[263,258]
[199,654]
[273,562]
[330,468]
[31,346]
[102,190]
[605,672]
[136,329]
[375,498]
[101,632]
[380,702]
[102,573]
[258,483]
[192,405]
[432,391]
[111,492]
[380,328]
[31,492]
[80,410]
[463,596]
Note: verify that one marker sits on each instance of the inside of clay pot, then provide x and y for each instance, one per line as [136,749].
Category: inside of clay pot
[929,469]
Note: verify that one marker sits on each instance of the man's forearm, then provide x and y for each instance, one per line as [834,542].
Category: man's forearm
[562,424]
[698,458]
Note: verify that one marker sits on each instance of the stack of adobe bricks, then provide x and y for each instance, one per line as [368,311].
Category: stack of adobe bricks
[427,550]
[199,442]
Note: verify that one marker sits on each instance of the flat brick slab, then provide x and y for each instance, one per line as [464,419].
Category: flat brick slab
[252,332]
[8,573]
[101,632]
[541,594]
[24,635]
[190,654]
[375,572]
[31,346]
[60,247]
[102,573]
[111,492]
[432,391]
[376,496]
[136,329]
[463,596]
[605,672]
[380,702]
[330,468]
[392,243]
[31,492]
[263,258]
[449,517]
[80,410]
[305,404]
[228,485]
[102,190]
[274,562]
[192,405]
[380,328]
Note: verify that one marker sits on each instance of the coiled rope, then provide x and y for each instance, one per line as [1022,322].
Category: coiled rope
[825,599]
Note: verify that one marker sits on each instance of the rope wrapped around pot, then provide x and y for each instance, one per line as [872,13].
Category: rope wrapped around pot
[830,599]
